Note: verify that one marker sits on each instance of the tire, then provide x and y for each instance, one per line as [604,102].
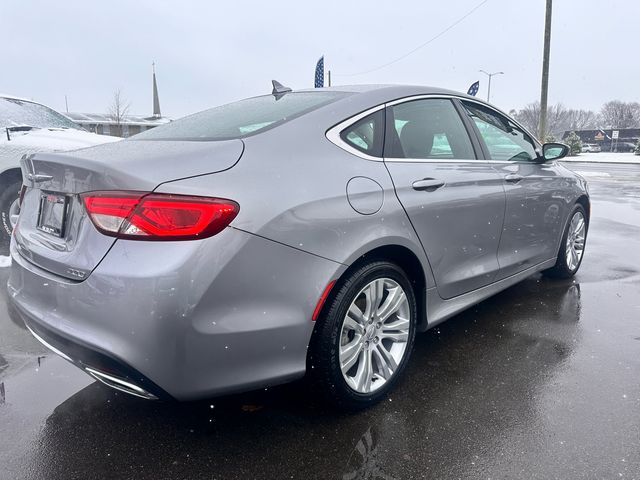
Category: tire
[564,267]
[335,340]
[9,195]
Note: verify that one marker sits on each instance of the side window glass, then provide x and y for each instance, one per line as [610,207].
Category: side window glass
[427,129]
[503,138]
[367,134]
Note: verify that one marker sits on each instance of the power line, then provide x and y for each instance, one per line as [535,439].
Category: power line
[470,12]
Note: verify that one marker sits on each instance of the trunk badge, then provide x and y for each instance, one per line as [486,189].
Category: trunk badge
[76,273]
[39,178]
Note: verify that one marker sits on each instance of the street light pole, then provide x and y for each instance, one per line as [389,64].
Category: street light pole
[490,75]
[545,72]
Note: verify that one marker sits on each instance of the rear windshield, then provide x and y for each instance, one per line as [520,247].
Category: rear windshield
[21,113]
[243,118]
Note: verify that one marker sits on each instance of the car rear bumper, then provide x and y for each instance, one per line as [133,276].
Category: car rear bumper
[100,365]
[182,320]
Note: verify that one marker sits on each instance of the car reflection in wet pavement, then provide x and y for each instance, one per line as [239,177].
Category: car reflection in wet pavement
[540,381]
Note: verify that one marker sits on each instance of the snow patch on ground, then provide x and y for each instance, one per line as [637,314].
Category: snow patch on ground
[5,261]
[604,157]
[593,174]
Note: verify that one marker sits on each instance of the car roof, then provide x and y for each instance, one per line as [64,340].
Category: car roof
[388,91]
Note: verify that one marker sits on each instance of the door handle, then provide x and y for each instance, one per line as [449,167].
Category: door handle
[513,178]
[427,184]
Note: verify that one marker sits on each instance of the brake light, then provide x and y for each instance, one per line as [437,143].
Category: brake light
[158,216]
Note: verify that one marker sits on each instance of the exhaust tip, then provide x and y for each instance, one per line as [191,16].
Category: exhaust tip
[120,384]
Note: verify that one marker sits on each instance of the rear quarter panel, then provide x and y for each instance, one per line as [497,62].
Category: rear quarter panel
[291,184]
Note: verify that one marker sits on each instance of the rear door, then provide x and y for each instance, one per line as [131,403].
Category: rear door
[535,192]
[454,201]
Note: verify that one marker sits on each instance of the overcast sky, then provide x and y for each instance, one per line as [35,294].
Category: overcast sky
[207,53]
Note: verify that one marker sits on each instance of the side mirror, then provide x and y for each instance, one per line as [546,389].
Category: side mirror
[554,151]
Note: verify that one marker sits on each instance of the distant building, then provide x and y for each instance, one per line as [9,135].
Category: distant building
[627,138]
[105,124]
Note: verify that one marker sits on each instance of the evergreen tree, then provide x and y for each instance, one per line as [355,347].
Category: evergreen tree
[574,143]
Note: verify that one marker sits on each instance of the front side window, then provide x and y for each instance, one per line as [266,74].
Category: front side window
[503,138]
[367,134]
[243,118]
[427,129]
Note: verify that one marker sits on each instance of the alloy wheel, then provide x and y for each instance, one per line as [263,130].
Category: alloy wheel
[575,240]
[374,335]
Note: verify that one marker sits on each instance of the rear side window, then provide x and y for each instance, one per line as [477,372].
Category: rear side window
[427,129]
[242,119]
[367,134]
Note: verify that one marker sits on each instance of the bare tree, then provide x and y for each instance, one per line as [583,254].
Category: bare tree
[582,119]
[529,116]
[118,110]
[617,114]
[559,119]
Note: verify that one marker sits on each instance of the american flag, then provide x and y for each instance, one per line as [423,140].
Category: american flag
[319,80]
[473,89]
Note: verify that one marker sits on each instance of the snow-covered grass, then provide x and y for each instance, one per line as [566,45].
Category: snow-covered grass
[604,157]
[5,261]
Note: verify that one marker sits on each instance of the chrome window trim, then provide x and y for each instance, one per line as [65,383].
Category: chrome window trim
[434,160]
[333,134]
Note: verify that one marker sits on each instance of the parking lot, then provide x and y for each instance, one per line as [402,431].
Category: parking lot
[540,381]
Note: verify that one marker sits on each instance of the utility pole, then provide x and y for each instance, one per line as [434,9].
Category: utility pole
[490,75]
[545,73]
[329,77]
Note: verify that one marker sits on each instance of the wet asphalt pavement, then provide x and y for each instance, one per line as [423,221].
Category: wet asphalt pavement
[540,381]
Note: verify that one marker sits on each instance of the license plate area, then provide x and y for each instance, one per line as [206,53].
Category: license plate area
[53,213]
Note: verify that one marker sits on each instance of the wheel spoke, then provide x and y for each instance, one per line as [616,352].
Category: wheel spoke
[574,259]
[386,364]
[369,307]
[365,372]
[353,324]
[399,324]
[356,313]
[349,354]
[391,304]
[398,337]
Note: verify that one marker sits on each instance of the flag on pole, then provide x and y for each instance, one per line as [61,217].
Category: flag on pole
[473,89]
[319,79]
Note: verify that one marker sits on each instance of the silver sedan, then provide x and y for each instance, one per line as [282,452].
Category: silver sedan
[299,232]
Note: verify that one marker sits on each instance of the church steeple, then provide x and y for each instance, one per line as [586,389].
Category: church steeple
[156,100]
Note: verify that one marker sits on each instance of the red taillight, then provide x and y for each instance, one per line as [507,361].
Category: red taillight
[158,216]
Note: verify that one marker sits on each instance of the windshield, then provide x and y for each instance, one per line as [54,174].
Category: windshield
[243,118]
[16,113]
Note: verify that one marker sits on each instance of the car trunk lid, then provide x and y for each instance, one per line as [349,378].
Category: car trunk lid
[54,231]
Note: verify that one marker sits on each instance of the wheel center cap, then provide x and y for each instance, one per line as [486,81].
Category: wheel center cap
[370,332]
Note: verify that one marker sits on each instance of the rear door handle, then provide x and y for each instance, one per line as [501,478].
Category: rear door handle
[427,184]
[513,178]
